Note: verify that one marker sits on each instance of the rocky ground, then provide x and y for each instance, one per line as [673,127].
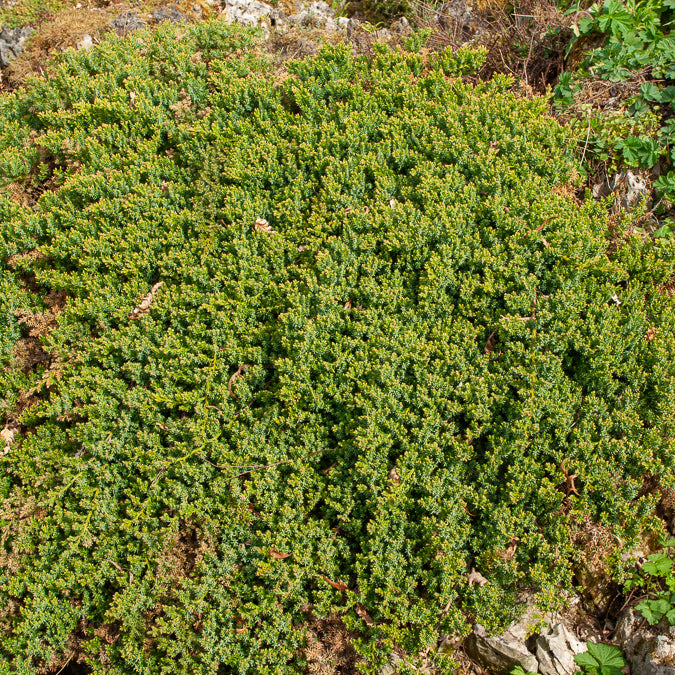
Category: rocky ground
[598,612]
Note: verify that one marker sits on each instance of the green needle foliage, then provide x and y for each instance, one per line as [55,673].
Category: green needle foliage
[325,346]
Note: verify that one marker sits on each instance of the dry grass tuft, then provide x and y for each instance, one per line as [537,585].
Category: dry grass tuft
[65,30]
[329,650]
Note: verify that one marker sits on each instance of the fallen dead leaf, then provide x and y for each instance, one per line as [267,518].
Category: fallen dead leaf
[361,611]
[262,225]
[510,550]
[7,435]
[476,578]
[278,555]
[491,344]
[339,585]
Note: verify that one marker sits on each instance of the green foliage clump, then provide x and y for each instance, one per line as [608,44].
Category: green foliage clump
[23,12]
[381,10]
[638,37]
[327,344]
[638,41]
[600,659]
[657,578]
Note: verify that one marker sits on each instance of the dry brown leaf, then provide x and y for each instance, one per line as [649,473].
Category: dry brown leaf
[491,344]
[253,510]
[325,472]
[278,555]
[262,225]
[510,550]
[7,435]
[116,565]
[361,611]
[339,585]
[476,578]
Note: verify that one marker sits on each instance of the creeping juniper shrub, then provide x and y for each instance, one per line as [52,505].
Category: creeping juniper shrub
[383,325]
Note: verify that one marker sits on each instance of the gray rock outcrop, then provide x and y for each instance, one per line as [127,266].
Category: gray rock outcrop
[169,13]
[649,651]
[11,43]
[317,15]
[556,649]
[500,654]
[456,15]
[126,23]
[252,13]
[86,42]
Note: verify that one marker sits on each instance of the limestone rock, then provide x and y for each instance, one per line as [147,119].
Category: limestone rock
[402,27]
[382,35]
[499,653]
[647,651]
[252,13]
[317,15]
[625,627]
[391,667]
[126,23]
[11,43]
[352,26]
[169,13]
[85,43]
[556,650]
[456,14]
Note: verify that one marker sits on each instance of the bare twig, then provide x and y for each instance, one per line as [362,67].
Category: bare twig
[230,382]
[144,306]
[63,667]
[588,135]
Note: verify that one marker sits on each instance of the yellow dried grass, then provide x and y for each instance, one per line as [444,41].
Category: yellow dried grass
[65,30]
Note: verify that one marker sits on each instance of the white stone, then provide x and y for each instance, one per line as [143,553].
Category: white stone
[556,650]
[85,43]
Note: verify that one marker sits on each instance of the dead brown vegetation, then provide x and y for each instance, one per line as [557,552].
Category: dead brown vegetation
[329,650]
[64,30]
[526,38]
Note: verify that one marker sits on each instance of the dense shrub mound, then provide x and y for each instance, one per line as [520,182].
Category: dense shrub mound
[307,346]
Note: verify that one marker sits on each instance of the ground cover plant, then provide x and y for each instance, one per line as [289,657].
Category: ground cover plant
[655,578]
[634,56]
[342,342]
[17,14]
